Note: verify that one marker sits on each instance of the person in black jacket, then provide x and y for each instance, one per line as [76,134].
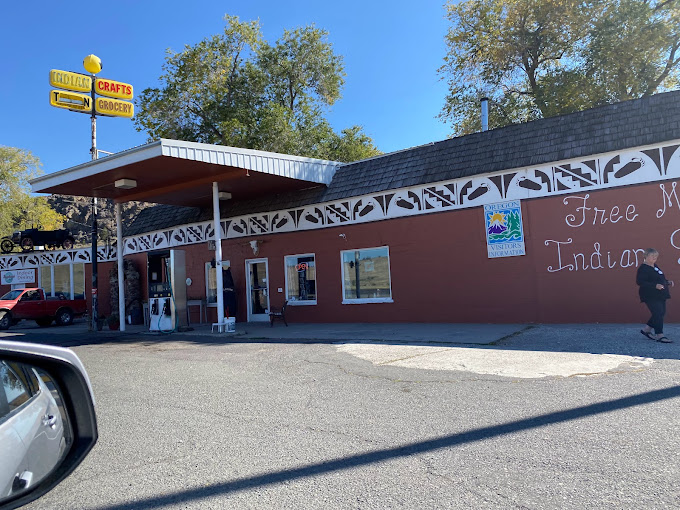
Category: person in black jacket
[654,293]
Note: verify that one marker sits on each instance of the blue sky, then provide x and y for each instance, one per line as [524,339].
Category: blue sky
[391,50]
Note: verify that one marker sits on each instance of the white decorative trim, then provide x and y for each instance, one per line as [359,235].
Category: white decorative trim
[639,165]
[56,258]
[635,166]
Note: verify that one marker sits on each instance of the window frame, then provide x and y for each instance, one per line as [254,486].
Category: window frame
[361,301]
[307,302]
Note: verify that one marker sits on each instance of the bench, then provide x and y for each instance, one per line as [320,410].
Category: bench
[276,313]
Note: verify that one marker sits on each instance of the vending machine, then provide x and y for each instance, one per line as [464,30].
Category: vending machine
[166,271]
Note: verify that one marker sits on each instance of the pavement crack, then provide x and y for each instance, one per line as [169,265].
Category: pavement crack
[411,357]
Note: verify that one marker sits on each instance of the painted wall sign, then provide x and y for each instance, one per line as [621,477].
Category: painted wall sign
[70,81]
[504,232]
[112,88]
[71,101]
[17,276]
[114,107]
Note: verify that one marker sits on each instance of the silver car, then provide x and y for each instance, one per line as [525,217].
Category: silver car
[32,435]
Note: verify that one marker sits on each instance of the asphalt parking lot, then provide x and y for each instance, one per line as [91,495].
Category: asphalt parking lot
[561,416]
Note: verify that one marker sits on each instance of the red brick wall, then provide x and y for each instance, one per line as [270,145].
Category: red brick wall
[440,271]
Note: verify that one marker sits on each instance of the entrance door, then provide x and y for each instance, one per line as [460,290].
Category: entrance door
[258,289]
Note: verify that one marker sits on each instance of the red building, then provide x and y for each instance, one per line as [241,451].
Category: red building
[539,222]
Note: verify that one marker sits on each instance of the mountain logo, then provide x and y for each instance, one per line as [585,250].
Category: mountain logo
[497,223]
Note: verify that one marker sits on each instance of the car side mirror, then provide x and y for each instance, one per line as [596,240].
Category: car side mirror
[48,423]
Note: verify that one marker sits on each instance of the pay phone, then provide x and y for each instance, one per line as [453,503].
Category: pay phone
[166,272]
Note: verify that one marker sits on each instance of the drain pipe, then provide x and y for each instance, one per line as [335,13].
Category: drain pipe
[485,113]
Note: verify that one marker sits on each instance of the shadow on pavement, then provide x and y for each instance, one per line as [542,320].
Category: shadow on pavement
[344,463]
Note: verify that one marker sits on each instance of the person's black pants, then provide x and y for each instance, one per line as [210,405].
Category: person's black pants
[658,309]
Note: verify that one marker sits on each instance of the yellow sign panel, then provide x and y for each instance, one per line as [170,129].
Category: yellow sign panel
[71,100]
[112,88]
[70,81]
[114,107]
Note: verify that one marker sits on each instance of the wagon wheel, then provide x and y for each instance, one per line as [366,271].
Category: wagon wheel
[27,244]
[6,245]
[68,243]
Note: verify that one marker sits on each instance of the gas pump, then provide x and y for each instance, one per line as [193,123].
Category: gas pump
[166,272]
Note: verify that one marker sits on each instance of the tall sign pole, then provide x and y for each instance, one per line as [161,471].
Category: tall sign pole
[108,105]
[93,65]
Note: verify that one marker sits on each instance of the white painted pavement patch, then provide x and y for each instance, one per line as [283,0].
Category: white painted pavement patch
[509,363]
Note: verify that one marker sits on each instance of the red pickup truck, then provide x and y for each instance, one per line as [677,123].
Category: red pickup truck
[29,304]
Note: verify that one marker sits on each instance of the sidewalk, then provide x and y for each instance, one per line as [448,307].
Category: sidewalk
[511,350]
[429,333]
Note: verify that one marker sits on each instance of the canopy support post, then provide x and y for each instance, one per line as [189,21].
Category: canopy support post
[218,253]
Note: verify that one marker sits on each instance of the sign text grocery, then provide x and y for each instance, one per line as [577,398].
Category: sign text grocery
[114,107]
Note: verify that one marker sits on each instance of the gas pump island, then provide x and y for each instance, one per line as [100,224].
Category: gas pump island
[166,272]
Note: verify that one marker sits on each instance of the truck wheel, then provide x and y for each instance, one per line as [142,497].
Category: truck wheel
[5,320]
[6,245]
[27,244]
[43,323]
[64,317]
[68,243]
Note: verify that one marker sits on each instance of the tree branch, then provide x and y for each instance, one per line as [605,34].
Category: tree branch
[197,110]
[671,62]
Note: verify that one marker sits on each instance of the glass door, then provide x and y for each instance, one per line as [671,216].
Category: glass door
[258,290]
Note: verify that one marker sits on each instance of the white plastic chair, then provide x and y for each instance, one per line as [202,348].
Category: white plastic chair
[228,326]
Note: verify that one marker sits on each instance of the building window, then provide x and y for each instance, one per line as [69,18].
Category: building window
[78,281]
[366,276]
[301,279]
[46,279]
[62,281]
[210,283]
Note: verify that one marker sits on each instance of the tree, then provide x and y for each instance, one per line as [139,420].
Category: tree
[236,89]
[540,58]
[18,209]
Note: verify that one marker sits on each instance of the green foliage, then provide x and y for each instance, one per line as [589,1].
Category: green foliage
[236,89]
[18,209]
[540,58]
[514,227]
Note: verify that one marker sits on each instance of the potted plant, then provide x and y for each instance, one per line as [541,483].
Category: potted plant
[113,321]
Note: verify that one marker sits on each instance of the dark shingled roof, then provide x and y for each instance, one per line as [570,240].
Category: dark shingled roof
[161,216]
[645,121]
[634,123]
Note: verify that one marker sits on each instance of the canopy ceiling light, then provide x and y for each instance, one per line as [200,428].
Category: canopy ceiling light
[126,183]
[224,195]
